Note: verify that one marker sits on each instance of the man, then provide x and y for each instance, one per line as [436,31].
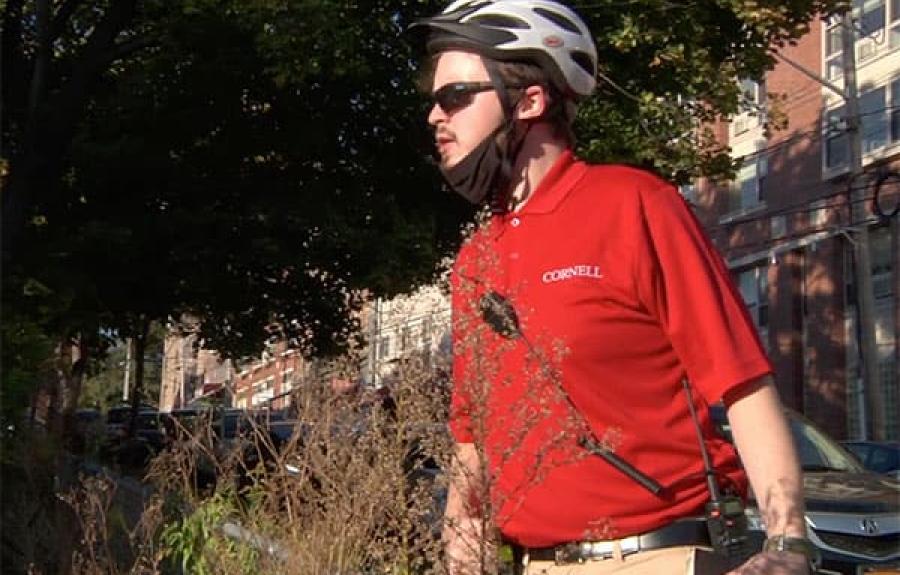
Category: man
[574,430]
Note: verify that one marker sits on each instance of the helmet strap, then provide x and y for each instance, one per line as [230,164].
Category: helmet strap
[510,142]
[500,87]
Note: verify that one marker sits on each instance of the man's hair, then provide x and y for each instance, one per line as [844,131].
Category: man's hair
[560,112]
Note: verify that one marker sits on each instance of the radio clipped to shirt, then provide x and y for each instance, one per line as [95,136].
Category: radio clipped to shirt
[725,518]
[727,525]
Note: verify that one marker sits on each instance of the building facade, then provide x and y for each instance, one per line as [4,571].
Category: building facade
[788,225]
[417,324]
[191,374]
[267,381]
[412,325]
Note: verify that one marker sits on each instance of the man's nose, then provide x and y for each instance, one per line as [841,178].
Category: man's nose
[436,115]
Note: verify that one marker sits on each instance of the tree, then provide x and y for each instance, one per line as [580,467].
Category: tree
[104,385]
[668,69]
[257,164]
[198,178]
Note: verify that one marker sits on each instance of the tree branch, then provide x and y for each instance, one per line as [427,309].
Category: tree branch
[62,16]
[50,135]
[123,49]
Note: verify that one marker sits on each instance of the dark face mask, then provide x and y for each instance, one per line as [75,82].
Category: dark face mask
[484,170]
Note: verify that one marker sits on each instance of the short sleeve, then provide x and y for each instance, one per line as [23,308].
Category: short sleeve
[685,284]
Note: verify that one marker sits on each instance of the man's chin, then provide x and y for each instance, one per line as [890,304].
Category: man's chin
[448,162]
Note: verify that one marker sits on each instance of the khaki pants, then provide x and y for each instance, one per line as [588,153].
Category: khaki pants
[666,561]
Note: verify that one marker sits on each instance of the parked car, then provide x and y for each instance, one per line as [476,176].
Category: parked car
[878,456]
[852,514]
[135,450]
[88,430]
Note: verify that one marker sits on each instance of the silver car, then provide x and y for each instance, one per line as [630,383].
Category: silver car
[852,515]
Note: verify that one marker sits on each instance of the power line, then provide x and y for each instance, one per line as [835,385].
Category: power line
[815,133]
[775,243]
[799,208]
[805,205]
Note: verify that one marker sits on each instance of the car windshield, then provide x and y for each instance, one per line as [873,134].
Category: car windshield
[817,451]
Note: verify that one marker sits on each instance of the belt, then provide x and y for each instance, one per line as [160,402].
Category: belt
[676,534]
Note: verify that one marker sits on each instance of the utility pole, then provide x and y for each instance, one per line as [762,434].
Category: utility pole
[125,384]
[858,219]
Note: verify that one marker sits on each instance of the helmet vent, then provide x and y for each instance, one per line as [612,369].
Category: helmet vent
[500,21]
[558,19]
[584,61]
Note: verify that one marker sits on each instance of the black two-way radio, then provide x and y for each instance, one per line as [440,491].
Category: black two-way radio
[725,517]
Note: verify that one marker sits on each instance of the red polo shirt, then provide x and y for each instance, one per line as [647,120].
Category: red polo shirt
[619,295]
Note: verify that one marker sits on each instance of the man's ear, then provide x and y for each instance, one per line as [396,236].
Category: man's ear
[533,103]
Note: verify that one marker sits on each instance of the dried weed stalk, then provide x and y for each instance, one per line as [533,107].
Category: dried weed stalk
[519,415]
[350,483]
[354,481]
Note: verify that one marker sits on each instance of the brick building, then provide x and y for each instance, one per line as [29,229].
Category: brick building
[786,231]
[267,381]
[413,324]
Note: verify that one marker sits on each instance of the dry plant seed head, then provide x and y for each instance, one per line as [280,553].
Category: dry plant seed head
[355,479]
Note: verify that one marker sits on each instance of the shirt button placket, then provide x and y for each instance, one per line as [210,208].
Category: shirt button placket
[513,264]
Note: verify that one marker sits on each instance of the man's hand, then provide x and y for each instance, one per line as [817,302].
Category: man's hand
[774,563]
[465,550]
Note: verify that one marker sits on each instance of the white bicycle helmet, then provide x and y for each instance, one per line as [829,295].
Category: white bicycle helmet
[540,31]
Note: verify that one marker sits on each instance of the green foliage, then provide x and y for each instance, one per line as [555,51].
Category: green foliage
[197,544]
[103,388]
[255,163]
[25,351]
[668,67]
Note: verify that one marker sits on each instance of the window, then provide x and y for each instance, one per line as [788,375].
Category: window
[752,100]
[869,16]
[872,120]
[837,152]
[833,49]
[754,285]
[879,111]
[263,390]
[689,193]
[882,276]
[269,383]
[834,69]
[753,92]
[874,22]
[833,38]
[747,187]
[384,347]
[895,24]
[818,214]
[405,335]
[762,170]
[426,331]
[286,378]
[778,226]
[895,108]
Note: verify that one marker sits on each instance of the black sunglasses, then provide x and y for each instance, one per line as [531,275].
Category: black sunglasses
[457,95]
